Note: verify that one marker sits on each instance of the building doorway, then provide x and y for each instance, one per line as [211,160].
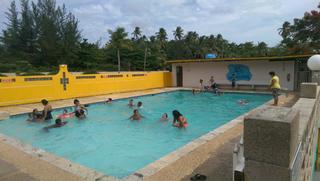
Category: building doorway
[179,74]
[303,74]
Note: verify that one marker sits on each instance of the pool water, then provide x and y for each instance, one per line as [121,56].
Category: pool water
[109,142]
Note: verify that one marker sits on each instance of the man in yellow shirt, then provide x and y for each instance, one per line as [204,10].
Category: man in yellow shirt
[275,87]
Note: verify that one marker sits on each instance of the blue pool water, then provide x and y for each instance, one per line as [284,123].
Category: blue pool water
[110,143]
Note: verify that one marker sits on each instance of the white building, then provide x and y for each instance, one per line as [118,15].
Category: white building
[249,72]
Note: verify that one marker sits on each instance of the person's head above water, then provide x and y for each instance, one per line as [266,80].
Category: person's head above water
[65,111]
[58,122]
[136,111]
[176,114]
[165,116]
[139,104]
[76,101]
[44,102]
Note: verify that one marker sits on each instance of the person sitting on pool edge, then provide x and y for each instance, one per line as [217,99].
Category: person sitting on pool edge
[178,120]
[109,101]
[58,124]
[66,115]
[35,116]
[79,109]
[139,105]
[131,104]
[136,115]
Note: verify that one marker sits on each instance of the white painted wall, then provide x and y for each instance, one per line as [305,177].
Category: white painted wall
[193,72]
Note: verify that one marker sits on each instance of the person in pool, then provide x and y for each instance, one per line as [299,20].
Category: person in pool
[131,104]
[164,117]
[79,109]
[66,115]
[58,124]
[139,105]
[178,120]
[243,102]
[109,101]
[47,108]
[35,116]
[136,115]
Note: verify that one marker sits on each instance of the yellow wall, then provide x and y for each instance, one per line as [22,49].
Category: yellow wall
[29,89]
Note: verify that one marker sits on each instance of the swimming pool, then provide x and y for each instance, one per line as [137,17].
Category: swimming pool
[110,143]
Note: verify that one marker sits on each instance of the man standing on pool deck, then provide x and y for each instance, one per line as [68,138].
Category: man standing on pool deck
[275,87]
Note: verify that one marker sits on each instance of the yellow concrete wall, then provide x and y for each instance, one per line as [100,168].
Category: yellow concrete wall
[29,89]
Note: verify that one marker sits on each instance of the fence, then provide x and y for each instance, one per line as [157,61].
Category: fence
[29,89]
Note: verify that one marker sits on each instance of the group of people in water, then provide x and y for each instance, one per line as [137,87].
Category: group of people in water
[178,119]
[80,112]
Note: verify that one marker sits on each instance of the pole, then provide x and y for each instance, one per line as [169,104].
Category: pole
[145,59]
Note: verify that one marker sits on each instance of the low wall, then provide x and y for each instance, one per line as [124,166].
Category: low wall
[280,143]
[29,89]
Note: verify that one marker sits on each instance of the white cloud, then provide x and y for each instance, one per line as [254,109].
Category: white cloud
[236,20]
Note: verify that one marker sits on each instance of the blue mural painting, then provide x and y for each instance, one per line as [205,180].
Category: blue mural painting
[241,72]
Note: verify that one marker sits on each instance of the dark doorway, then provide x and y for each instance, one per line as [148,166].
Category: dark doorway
[303,74]
[179,76]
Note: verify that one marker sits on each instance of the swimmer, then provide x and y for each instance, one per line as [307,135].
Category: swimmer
[79,109]
[139,105]
[131,104]
[109,101]
[243,102]
[34,116]
[136,115]
[66,115]
[164,117]
[58,124]
[178,120]
[194,91]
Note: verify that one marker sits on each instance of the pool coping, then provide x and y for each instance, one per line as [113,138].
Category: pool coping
[143,173]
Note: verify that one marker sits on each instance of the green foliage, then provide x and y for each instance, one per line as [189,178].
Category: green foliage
[302,37]
[42,35]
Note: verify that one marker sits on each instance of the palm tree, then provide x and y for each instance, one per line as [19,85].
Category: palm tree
[162,37]
[285,30]
[118,40]
[136,33]
[178,33]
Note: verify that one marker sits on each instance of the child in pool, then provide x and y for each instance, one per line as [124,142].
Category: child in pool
[164,117]
[66,115]
[131,104]
[35,116]
[139,105]
[79,109]
[136,115]
[178,120]
[58,124]
[109,101]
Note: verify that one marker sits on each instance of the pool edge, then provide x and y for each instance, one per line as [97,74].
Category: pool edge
[143,173]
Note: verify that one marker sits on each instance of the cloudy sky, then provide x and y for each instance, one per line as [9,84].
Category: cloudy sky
[236,20]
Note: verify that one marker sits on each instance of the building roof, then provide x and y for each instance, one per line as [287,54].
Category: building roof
[274,58]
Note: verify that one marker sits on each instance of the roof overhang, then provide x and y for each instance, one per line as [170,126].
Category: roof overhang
[274,58]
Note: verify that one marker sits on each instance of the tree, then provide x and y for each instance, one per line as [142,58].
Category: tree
[118,40]
[10,36]
[27,34]
[178,33]
[136,33]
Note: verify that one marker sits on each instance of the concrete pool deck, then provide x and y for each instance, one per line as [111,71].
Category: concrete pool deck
[175,169]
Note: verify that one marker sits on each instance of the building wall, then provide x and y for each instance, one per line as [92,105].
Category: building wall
[29,89]
[193,72]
